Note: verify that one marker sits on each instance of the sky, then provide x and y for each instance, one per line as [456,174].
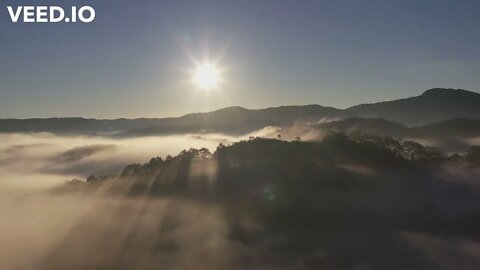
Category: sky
[136,58]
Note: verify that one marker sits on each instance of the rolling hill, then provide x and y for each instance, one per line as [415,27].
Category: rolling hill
[461,128]
[433,105]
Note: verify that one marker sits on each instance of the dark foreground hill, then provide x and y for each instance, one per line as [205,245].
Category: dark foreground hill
[343,203]
[432,106]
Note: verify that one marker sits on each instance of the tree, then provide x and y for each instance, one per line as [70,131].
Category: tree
[473,155]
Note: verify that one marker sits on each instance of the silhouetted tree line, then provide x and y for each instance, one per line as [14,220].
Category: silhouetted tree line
[310,194]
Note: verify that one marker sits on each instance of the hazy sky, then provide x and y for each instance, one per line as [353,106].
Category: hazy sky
[136,58]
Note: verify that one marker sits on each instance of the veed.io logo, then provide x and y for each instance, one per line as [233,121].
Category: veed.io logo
[51,14]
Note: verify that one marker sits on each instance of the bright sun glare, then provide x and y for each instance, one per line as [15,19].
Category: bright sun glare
[206,76]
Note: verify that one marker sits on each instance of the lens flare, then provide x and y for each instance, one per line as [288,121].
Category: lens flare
[206,76]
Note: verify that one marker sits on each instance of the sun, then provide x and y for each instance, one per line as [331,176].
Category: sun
[206,76]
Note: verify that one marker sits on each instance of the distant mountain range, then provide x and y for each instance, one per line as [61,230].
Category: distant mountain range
[434,105]
[459,128]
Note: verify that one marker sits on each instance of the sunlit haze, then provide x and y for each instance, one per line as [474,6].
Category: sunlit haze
[332,53]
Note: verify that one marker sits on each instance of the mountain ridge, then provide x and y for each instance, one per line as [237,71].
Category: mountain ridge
[433,105]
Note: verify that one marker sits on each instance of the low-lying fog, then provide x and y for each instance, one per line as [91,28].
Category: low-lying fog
[34,224]
[44,159]
[42,230]
[41,160]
